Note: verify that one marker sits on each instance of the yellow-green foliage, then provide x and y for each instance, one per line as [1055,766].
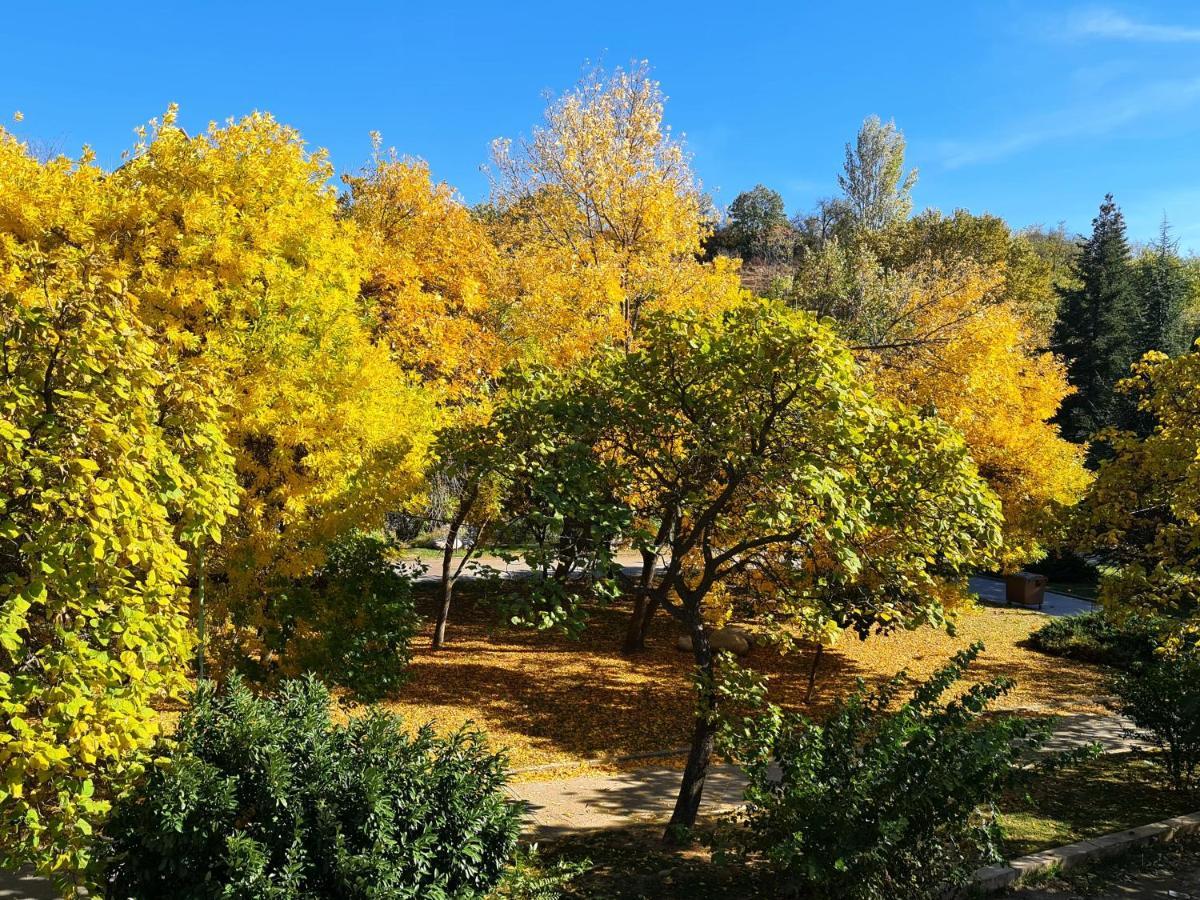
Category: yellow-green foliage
[1142,513]
[109,468]
[251,279]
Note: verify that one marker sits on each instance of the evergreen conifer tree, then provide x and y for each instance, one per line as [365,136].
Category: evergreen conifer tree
[1100,329]
[1163,286]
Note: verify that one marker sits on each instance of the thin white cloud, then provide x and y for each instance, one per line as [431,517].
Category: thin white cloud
[1095,119]
[1111,25]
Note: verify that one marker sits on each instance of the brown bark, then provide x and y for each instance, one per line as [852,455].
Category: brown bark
[643,607]
[449,572]
[691,788]
[812,672]
[644,603]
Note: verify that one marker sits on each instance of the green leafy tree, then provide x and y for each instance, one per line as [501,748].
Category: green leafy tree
[1099,329]
[877,191]
[744,450]
[1027,279]
[757,227]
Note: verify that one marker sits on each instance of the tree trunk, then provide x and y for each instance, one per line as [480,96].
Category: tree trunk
[643,608]
[691,788]
[812,672]
[645,605]
[449,573]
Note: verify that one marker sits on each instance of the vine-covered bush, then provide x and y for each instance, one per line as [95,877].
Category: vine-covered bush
[879,802]
[266,798]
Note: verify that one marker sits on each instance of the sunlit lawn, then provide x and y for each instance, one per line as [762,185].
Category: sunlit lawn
[553,700]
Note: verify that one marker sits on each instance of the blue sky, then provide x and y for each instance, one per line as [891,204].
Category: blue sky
[1028,110]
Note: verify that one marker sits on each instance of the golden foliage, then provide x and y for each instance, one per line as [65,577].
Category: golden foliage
[249,277]
[602,219]
[966,357]
[109,468]
[433,276]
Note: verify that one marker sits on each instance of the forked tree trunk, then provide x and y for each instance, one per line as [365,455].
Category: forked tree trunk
[643,606]
[449,572]
[691,788]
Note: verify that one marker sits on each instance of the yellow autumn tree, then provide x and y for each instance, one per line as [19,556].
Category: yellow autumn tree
[432,276]
[111,468]
[948,345]
[250,279]
[601,219]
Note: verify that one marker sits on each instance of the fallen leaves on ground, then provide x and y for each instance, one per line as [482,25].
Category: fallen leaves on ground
[553,700]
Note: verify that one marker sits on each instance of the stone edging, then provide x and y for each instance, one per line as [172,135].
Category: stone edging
[995,878]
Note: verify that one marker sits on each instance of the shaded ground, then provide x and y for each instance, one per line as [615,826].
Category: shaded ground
[1097,797]
[1056,812]
[1149,873]
[554,700]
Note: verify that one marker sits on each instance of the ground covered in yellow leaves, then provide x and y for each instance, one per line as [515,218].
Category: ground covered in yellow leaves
[553,700]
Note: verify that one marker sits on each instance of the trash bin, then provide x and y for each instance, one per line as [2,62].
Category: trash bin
[1025,589]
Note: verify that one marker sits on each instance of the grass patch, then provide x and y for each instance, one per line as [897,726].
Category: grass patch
[1107,794]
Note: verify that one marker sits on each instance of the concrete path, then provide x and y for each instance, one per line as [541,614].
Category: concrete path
[1110,732]
[431,569]
[26,886]
[594,802]
[991,590]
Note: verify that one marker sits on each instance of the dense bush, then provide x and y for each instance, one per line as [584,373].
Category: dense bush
[1094,637]
[883,803]
[352,621]
[266,798]
[1161,696]
[1065,566]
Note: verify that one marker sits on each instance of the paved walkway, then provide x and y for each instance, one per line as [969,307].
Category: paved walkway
[594,802]
[991,590]
[431,569]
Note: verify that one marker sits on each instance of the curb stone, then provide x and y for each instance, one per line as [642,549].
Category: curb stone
[991,879]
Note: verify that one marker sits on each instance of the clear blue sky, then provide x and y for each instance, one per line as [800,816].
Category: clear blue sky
[1014,108]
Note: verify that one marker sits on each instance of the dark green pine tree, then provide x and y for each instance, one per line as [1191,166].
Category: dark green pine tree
[1164,289]
[1100,328]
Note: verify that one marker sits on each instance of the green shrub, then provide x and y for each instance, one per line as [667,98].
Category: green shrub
[1093,637]
[1065,566]
[266,798]
[878,802]
[532,878]
[352,622]
[1161,696]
